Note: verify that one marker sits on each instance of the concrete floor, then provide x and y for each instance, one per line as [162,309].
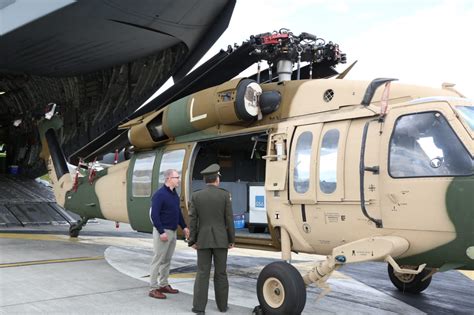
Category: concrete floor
[106,270]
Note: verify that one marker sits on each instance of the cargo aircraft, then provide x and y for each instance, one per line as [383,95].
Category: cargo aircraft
[355,170]
[94,61]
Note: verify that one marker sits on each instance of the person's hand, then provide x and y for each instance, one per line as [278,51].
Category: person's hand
[186,233]
[194,246]
[231,245]
[164,237]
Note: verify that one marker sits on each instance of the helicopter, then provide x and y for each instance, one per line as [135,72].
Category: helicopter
[355,170]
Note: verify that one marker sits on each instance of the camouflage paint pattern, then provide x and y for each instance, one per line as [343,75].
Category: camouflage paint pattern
[460,207]
[84,201]
[329,222]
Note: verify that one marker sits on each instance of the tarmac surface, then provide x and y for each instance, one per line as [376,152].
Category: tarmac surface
[106,270]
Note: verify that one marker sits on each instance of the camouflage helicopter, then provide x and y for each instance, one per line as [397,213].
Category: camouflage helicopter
[355,170]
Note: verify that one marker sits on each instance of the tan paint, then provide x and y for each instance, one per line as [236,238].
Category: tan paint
[111,190]
[411,209]
[138,134]
[61,186]
[327,230]
[468,273]
[372,248]
[204,105]
[415,203]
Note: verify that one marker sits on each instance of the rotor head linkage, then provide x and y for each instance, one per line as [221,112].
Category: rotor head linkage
[282,49]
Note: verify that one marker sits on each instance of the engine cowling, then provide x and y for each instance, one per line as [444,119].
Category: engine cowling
[232,102]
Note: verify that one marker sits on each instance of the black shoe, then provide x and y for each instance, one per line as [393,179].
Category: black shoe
[223,310]
[197,312]
[257,310]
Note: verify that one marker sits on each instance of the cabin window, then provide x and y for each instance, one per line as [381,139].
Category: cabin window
[171,160]
[142,174]
[328,161]
[425,145]
[302,162]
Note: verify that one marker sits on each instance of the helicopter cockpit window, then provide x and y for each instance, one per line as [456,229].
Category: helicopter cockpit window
[425,145]
[328,162]
[467,114]
[171,160]
[302,162]
[142,174]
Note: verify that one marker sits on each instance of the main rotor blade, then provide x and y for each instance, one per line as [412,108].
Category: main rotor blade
[345,72]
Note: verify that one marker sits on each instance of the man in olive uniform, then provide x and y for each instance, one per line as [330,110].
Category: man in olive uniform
[212,234]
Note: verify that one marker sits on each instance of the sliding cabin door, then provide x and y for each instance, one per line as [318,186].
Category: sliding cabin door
[178,157]
[142,182]
[145,176]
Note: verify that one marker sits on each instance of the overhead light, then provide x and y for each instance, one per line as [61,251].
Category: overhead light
[2,92]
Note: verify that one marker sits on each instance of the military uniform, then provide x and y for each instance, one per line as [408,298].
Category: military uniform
[212,231]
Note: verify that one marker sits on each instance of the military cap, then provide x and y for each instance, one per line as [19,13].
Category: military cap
[212,169]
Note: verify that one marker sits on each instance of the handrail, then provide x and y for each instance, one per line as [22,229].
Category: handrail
[362,169]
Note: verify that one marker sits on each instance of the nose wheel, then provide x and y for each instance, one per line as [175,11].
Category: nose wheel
[409,283]
[281,289]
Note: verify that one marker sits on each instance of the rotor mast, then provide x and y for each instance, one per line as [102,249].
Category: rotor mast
[283,49]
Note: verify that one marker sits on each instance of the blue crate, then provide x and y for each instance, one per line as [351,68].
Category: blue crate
[239,221]
[14,169]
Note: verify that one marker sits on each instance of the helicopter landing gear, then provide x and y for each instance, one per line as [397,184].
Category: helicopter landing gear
[410,283]
[75,228]
[281,289]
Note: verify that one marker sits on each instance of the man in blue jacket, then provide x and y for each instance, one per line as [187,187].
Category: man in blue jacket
[165,214]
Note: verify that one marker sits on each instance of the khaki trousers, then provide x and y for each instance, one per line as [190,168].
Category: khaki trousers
[201,284]
[162,253]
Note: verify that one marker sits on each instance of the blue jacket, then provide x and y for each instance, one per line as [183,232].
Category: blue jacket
[165,211]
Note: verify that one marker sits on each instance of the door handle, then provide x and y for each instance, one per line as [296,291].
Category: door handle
[373,169]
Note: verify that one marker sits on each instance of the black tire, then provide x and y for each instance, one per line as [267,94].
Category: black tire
[74,230]
[281,289]
[409,283]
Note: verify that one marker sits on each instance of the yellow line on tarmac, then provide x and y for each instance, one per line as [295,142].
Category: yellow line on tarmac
[49,261]
[468,273]
[183,275]
[39,237]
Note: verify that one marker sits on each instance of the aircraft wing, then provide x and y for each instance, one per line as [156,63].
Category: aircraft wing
[222,67]
[97,60]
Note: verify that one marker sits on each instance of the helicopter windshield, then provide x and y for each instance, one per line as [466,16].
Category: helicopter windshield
[467,114]
[423,144]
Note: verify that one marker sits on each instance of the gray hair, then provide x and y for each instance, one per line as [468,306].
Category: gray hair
[167,174]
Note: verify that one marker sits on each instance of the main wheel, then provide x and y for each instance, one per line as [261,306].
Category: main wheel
[74,230]
[281,289]
[408,282]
